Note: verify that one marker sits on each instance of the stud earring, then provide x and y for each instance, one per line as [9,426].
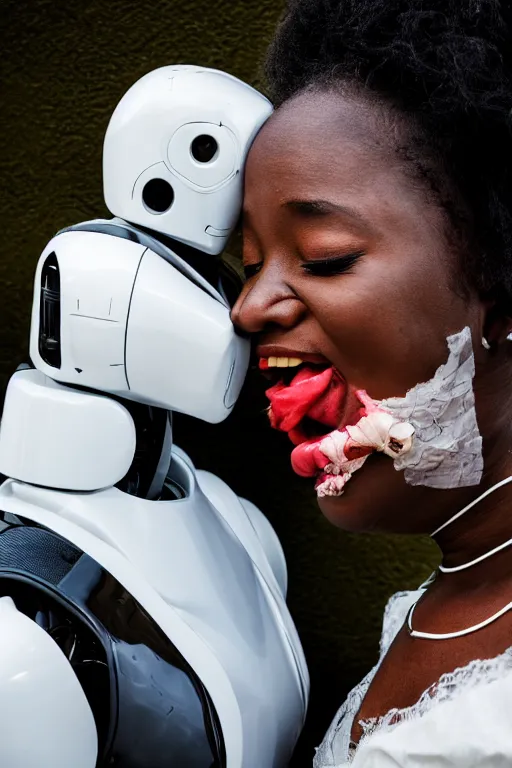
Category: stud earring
[485,343]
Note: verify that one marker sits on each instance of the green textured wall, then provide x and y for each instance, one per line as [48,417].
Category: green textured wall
[64,64]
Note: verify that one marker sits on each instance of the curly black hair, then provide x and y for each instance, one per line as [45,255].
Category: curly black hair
[446,67]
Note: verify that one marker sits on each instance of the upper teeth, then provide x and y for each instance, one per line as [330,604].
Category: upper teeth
[284,362]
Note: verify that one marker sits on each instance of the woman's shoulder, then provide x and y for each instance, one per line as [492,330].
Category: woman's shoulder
[466,721]
[466,716]
[454,695]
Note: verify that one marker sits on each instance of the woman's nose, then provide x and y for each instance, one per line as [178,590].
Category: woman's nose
[266,302]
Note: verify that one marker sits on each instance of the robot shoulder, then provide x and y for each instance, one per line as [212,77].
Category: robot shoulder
[249,524]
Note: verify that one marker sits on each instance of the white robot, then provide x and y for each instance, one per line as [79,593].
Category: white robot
[143,621]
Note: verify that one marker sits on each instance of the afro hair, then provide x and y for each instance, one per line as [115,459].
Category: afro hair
[446,66]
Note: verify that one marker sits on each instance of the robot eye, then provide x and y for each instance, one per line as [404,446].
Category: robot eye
[157,195]
[204,148]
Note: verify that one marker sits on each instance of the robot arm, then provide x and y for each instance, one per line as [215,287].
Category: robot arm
[45,721]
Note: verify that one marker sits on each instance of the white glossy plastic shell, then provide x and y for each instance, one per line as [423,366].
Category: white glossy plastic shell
[45,720]
[182,351]
[133,325]
[211,575]
[150,136]
[97,275]
[49,432]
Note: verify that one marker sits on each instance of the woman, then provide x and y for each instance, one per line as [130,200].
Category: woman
[378,254]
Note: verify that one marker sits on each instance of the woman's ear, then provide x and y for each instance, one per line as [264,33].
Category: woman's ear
[497,325]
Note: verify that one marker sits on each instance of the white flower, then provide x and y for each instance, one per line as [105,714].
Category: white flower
[382,432]
[332,485]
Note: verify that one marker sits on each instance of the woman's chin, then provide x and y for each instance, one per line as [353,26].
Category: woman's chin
[344,512]
[375,499]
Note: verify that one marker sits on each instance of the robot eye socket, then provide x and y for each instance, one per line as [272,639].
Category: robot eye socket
[157,195]
[204,148]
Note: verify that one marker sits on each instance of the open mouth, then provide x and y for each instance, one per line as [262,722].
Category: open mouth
[308,398]
[334,427]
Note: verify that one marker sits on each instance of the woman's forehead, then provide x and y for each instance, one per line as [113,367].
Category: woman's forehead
[329,115]
[322,135]
[326,151]
[324,146]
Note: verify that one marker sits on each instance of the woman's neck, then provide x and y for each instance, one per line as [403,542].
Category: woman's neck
[477,532]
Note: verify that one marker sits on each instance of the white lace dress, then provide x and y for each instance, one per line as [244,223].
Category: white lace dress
[464,721]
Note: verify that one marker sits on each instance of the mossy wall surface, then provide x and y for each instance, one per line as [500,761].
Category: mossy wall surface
[64,65]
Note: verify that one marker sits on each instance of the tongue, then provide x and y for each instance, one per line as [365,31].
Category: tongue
[324,397]
[319,395]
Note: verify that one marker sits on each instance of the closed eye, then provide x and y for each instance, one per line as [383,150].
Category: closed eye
[335,266]
[252,269]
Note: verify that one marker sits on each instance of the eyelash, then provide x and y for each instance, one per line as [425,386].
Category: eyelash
[318,268]
[334,266]
[252,269]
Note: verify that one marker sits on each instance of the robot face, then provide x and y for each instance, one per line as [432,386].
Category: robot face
[204,154]
[174,153]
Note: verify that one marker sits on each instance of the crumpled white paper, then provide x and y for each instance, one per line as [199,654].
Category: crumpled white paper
[447,446]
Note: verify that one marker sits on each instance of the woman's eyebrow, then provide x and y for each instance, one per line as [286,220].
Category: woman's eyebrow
[319,208]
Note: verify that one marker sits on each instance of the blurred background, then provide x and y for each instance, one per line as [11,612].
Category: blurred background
[64,65]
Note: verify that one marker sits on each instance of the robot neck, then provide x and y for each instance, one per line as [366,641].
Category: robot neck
[204,263]
[153,445]
[214,269]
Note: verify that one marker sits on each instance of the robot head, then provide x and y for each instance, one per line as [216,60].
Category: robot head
[117,310]
[174,153]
